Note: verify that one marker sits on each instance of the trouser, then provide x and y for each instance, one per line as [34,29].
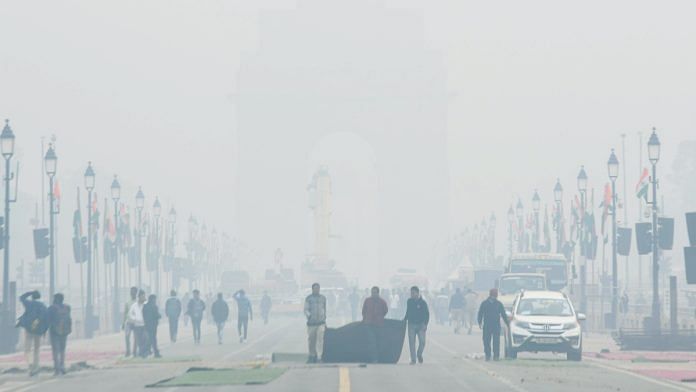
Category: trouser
[457,316]
[491,334]
[152,339]
[196,323]
[315,340]
[58,343]
[173,328]
[128,330]
[140,341]
[372,331]
[32,342]
[220,326]
[242,322]
[413,331]
[264,314]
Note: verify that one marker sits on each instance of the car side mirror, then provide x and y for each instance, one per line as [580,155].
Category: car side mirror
[581,317]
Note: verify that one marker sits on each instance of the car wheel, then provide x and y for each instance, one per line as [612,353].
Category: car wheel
[574,355]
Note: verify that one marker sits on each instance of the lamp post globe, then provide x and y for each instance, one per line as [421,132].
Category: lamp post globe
[536,201]
[7,141]
[156,208]
[89,177]
[582,179]
[613,166]
[51,161]
[172,215]
[115,189]
[511,214]
[140,199]
[558,191]
[519,208]
[654,148]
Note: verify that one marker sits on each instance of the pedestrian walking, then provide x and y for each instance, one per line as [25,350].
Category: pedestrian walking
[457,307]
[126,326]
[195,310]
[34,322]
[471,300]
[137,322]
[315,312]
[373,312]
[172,308]
[184,305]
[59,327]
[489,315]
[151,317]
[220,312]
[266,305]
[417,316]
[244,314]
[354,299]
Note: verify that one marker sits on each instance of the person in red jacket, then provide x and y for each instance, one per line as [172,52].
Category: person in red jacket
[373,312]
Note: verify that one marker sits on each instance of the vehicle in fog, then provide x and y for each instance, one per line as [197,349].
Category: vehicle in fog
[553,265]
[544,321]
[511,284]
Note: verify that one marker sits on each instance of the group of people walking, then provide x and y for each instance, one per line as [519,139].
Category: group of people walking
[417,316]
[37,320]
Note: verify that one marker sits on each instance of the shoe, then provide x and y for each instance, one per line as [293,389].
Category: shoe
[488,359]
[412,363]
[311,359]
[496,358]
[241,339]
[158,355]
[420,359]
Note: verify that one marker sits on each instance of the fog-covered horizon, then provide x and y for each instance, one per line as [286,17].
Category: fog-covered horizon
[165,94]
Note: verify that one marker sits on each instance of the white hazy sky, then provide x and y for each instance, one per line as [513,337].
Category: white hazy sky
[143,88]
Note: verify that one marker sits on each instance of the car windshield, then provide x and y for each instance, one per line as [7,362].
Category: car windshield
[544,307]
[513,284]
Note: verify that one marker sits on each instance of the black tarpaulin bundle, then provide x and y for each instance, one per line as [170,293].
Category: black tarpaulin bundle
[351,342]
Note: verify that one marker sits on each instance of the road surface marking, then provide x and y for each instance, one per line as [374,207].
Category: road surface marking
[343,379]
[484,369]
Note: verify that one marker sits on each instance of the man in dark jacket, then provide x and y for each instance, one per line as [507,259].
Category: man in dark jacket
[59,326]
[266,304]
[151,316]
[172,308]
[195,310]
[489,315]
[220,312]
[244,314]
[417,316]
[35,323]
[373,312]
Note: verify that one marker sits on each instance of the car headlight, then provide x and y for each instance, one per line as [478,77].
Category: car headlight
[572,325]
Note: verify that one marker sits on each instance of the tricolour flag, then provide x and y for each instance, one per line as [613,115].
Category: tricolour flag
[642,186]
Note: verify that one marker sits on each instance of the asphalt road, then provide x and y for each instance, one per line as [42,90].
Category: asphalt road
[452,363]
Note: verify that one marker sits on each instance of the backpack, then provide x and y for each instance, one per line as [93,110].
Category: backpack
[61,323]
[37,319]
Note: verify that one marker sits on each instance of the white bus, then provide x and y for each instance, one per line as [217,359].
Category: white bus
[553,265]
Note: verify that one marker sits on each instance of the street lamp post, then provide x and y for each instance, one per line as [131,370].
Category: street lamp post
[50,162]
[116,195]
[170,245]
[89,316]
[156,211]
[511,220]
[558,197]
[519,209]
[139,204]
[613,169]
[7,144]
[536,204]
[582,187]
[654,156]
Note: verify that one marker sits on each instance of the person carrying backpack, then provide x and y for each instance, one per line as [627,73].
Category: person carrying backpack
[34,322]
[59,327]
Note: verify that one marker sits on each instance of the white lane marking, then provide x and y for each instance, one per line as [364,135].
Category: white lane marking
[661,383]
[491,373]
[28,387]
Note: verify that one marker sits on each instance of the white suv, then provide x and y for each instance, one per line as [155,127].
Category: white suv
[544,321]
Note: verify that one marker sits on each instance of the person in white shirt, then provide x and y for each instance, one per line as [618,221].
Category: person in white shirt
[135,318]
